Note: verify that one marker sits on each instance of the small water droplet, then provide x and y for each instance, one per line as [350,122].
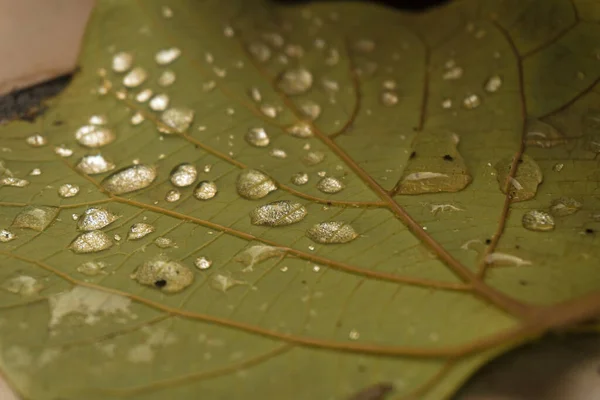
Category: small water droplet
[167,56]
[330,85]
[137,118]
[94,164]
[164,242]
[143,96]
[330,185]
[23,285]
[63,151]
[130,179]
[6,236]
[159,102]
[166,12]
[295,81]
[542,134]
[117,237]
[257,137]
[98,119]
[135,77]
[255,94]
[257,254]
[278,213]
[172,196]
[94,136]
[225,282]
[471,101]
[269,110]
[299,179]
[92,268]
[68,190]
[35,172]
[166,78]
[313,157]
[525,183]
[536,220]
[310,109]
[36,140]
[184,175]
[493,84]
[13,182]
[253,184]
[202,263]
[205,190]
[301,129]
[447,103]
[162,273]
[178,119]
[354,335]
[139,230]
[91,242]
[260,51]
[122,61]
[389,99]
[453,73]
[558,167]
[564,206]
[332,232]
[37,218]
[96,218]
[278,153]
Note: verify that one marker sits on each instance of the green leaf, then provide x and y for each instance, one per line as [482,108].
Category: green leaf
[424,118]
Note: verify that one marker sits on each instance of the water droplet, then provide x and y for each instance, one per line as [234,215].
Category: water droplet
[35,172]
[278,153]
[143,96]
[299,179]
[92,268]
[94,164]
[37,218]
[166,78]
[167,56]
[257,137]
[255,94]
[330,85]
[184,175]
[260,51]
[63,151]
[278,213]
[24,285]
[203,263]
[98,119]
[137,118]
[36,140]
[160,102]
[354,335]
[332,232]
[166,12]
[295,81]
[14,182]
[135,77]
[139,230]
[172,196]
[122,62]
[506,259]
[389,99]
[96,218]
[330,185]
[130,179]
[558,167]
[178,119]
[164,242]
[117,237]
[525,183]
[542,135]
[453,73]
[564,206]
[91,242]
[167,275]
[6,236]
[205,190]
[225,282]
[493,84]
[471,101]
[446,103]
[536,220]
[68,190]
[313,157]
[301,129]
[94,136]
[310,109]
[257,254]
[269,110]
[253,184]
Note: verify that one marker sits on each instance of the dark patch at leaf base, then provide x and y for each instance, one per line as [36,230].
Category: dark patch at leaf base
[408,5]
[378,391]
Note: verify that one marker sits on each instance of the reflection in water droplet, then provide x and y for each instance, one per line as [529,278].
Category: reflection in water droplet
[295,81]
[167,275]
[122,62]
[135,77]
[330,185]
[130,179]
[257,137]
[203,263]
[159,102]
[278,153]
[24,285]
[525,183]
[493,84]
[172,196]
[313,157]
[37,218]
[253,184]
[332,232]
[301,129]
[564,206]
[96,218]
[68,190]
[184,175]
[91,242]
[14,182]
[139,230]
[257,254]
[94,136]
[300,178]
[260,51]
[278,213]
[164,242]
[205,190]
[6,236]
[92,268]
[178,119]
[389,99]
[36,140]
[225,282]
[471,101]
[536,220]
[542,135]
[94,164]
[167,56]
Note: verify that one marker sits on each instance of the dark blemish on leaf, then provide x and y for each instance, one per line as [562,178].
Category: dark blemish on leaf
[488,241]
[58,122]
[520,161]
[375,392]
[523,282]
[517,247]
[448,157]
[303,282]
[329,203]
[160,283]
[412,155]
[589,231]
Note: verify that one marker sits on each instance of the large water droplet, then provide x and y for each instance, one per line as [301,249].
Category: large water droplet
[301,129]
[94,164]
[257,137]
[525,183]
[94,136]
[135,77]
[6,236]
[203,263]
[536,220]
[139,230]
[91,242]
[564,206]
[37,218]
[178,119]
[13,181]
[24,285]
[92,268]
[167,56]
[257,254]
[205,190]
[95,218]
[295,81]
[299,179]
[184,175]
[253,184]
[278,213]
[167,275]
[68,190]
[130,179]
[332,232]
[543,135]
[122,62]
[330,185]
